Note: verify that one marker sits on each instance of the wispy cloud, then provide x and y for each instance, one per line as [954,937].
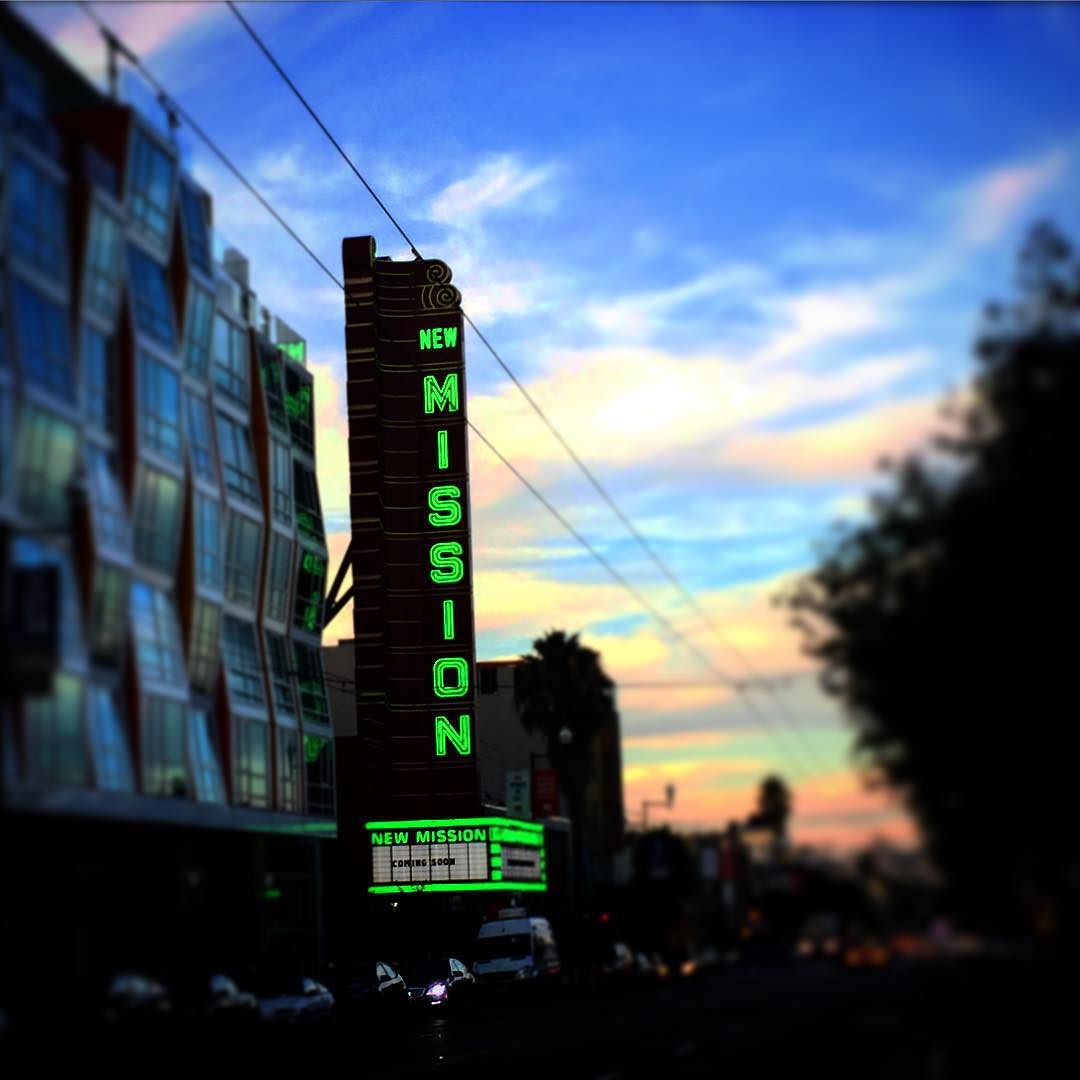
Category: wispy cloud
[495,184]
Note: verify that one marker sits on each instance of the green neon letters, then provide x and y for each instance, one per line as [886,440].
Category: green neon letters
[447,567]
[448,620]
[442,448]
[444,503]
[460,737]
[439,337]
[445,398]
[439,672]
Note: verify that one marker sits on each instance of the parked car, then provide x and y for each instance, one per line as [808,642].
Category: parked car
[516,952]
[371,987]
[445,982]
[618,963]
[136,1000]
[304,1001]
[226,1006]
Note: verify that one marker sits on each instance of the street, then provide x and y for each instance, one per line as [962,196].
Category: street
[934,1020]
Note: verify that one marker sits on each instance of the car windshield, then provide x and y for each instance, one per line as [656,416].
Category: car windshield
[425,971]
[504,947]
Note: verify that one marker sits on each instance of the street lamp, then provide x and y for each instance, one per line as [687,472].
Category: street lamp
[667,802]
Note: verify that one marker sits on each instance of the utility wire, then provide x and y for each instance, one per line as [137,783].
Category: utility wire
[113,41]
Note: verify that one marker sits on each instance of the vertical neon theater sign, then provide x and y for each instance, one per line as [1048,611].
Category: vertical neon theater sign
[411,568]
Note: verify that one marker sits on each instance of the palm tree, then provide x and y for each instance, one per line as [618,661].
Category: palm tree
[774,805]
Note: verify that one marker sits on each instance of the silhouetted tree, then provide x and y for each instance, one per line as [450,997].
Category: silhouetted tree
[946,624]
[774,805]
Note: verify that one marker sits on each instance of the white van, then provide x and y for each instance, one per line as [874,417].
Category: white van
[516,951]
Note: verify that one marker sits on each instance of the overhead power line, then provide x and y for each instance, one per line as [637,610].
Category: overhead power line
[115,42]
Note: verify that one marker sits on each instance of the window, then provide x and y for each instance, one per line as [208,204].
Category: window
[278,574]
[164,768]
[200,438]
[150,294]
[108,612]
[150,186]
[203,755]
[102,266]
[157,636]
[198,321]
[27,551]
[310,583]
[193,210]
[23,91]
[319,762]
[298,408]
[282,481]
[44,342]
[308,511]
[159,407]
[288,770]
[112,761]
[106,501]
[55,747]
[205,644]
[309,676]
[280,677]
[208,562]
[5,433]
[252,763]
[230,359]
[46,463]
[242,666]
[237,459]
[157,519]
[270,369]
[37,229]
[99,379]
[242,559]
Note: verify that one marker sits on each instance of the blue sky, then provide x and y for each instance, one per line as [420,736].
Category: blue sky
[737,252]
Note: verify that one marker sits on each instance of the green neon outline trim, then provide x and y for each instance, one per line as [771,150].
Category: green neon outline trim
[444,503]
[447,568]
[448,620]
[442,448]
[438,676]
[463,886]
[444,397]
[441,823]
[496,875]
[495,848]
[460,738]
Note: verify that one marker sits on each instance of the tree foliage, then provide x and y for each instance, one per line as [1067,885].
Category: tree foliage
[774,805]
[945,624]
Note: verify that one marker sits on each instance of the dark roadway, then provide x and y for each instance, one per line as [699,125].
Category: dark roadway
[929,1020]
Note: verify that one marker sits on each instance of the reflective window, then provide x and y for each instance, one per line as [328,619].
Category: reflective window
[299,409]
[309,677]
[112,760]
[28,551]
[159,407]
[164,764]
[55,745]
[310,583]
[282,473]
[242,559]
[5,434]
[99,379]
[208,563]
[157,519]
[319,769]
[106,501]
[193,209]
[242,666]
[24,94]
[37,230]
[198,320]
[200,438]
[270,372]
[45,465]
[108,612]
[277,652]
[150,293]
[150,186]
[252,771]
[230,359]
[205,644]
[288,770]
[308,512]
[44,342]
[103,264]
[205,763]
[237,459]
[158,650]
[278,574]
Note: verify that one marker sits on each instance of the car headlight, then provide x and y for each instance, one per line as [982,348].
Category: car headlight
[523,973]
[436,990]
